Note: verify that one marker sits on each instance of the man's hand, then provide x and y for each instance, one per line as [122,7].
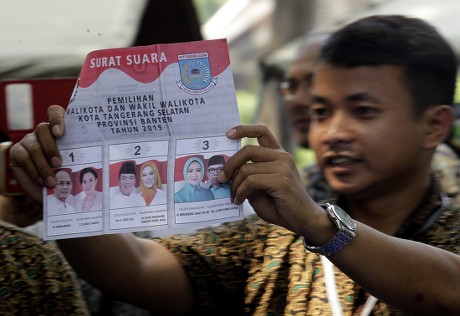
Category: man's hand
[267,176]
[32,158]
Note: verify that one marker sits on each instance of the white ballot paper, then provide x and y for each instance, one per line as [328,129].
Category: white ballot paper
[145,141]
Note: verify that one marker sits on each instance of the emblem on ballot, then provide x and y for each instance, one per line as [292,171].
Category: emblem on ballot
[195,73]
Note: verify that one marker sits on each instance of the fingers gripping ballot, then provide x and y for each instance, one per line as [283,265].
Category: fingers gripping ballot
[264,137]
[267,176]
[266,152]
[32,158]
[56,120]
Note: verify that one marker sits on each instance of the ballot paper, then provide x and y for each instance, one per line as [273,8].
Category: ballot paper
[141,128]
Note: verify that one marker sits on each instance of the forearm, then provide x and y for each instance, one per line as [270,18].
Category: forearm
[94,257]
[412,276]
[131,269]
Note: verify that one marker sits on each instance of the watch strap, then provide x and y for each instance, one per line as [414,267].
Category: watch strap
[336,243]
[346,231]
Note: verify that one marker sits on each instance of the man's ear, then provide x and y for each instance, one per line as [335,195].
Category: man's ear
[438,121]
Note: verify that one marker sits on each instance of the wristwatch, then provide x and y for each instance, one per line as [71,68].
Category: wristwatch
[346,227]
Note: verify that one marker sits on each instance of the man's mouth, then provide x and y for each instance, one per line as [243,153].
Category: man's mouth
[336,161]
[341,163]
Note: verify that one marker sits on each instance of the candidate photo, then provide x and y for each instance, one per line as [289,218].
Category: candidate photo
[126,194]
[60,202]
[192,190]
[151,186]
[90,199]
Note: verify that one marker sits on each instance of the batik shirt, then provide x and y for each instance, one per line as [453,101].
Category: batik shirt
[35,279]
[446,167]
[251,267]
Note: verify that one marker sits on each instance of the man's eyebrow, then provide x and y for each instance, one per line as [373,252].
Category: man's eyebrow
[318,99]
[361,96]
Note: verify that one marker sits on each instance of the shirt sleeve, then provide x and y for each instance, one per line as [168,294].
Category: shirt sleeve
[217,261]
[35,277]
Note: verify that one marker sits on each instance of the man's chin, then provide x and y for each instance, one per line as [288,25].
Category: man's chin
[342,187]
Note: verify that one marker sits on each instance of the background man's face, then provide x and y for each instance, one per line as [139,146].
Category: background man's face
[213,173]
[126,183]
[295,89]
[64,185]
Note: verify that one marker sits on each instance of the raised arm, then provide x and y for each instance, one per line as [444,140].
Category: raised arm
[136,270]
[412,276]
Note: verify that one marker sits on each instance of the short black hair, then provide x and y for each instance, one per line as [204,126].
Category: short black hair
[86,170]
[428,61]
[216,160]
[127,168]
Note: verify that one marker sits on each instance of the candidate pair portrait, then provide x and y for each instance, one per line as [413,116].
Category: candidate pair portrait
[131,191]
[70,196]
[200,181]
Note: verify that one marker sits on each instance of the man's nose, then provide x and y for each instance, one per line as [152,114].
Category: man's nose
[339,128]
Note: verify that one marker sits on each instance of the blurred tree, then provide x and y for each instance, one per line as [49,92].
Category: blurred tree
[168,22]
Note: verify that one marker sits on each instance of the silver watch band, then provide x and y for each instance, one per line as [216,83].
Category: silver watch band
[346,227]
[336,243]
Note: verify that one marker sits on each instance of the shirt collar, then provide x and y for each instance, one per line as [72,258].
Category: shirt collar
[422,216]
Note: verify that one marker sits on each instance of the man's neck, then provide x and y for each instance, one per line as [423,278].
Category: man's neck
[387,211]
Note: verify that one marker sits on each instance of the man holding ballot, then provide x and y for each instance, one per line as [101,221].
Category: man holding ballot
[389,244]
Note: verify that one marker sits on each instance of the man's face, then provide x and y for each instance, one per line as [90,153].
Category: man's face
[296,91]
[363,130]
[213,173]
[126,183]
[64,185]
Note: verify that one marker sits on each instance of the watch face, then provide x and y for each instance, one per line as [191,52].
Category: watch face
[342,216]
[347,231]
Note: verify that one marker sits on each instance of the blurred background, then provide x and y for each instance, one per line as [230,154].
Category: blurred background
[50,38]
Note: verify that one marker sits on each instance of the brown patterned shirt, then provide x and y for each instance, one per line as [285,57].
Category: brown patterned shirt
[35,279]
[251,267]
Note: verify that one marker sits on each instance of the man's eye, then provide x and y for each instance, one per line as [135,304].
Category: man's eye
[365,111]
[319,113]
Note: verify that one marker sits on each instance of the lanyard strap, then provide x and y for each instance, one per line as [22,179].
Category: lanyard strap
[332,294]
